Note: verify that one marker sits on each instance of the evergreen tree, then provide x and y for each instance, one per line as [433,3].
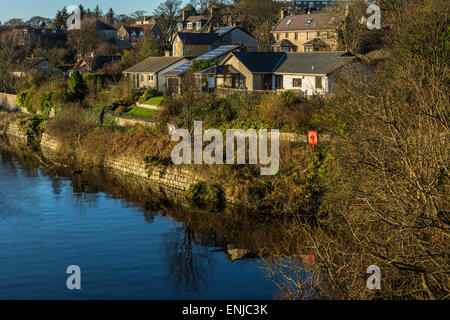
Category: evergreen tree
[97,12]
[65,15]
[110,16]
[75,87]
[59,21]
[82,11]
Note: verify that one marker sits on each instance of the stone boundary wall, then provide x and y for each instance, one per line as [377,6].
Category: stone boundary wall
[123,122]
[295,137]
[9,102]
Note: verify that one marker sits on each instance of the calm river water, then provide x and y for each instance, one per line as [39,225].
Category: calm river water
[124,250]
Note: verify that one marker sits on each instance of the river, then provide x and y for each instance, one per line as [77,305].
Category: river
[124,248]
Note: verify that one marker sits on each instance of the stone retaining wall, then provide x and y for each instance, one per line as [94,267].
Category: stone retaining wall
[175,177]
[50,143]
[19,134]
[123,122]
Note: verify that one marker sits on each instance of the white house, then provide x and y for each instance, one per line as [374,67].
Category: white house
[312,73]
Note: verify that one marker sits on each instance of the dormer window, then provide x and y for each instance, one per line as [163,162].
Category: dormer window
[180,27]
[199,26]
[190,25]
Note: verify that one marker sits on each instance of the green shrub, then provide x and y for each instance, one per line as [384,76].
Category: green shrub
[45,103]
[24,100]
[75,87]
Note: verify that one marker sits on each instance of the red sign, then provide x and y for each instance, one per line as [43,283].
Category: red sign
[313,138]
[310,260]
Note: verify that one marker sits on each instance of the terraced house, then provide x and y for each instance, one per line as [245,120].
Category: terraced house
[304,33]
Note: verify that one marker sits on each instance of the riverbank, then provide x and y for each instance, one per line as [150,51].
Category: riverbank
[240,232]
[140,153]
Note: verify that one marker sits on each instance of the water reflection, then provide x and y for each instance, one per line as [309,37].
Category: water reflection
[189,266]
[191,253]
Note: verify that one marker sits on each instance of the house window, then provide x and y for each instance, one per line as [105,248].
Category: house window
[190,25]
[296,36]
[199,26]
[286,35]
[150,78]
[278,36]
[297,83]
[308,35]
[318,82]
[278,82]
[318,34]
[142,78]
[180,27]
[122,37]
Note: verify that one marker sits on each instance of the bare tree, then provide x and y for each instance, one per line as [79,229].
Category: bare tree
[167,12]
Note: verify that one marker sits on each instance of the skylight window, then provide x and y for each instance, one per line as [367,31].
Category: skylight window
[288,22]
[309,21]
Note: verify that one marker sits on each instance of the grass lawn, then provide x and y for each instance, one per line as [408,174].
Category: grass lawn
[155,101]
[142,113]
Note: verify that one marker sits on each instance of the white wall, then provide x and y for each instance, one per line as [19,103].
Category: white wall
[308,84]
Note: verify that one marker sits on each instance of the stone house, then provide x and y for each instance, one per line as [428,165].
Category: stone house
[150,72]
[26,34]
[188,44]
[242,71]
[94,63]
[176,77]
[30,65]
[304,33]
[129,37]
[107,32]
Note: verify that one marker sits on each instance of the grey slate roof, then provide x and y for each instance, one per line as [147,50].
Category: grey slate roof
[314,63]
[197,38]
[315,21]
[153,64]
[103,26]
[261,62]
